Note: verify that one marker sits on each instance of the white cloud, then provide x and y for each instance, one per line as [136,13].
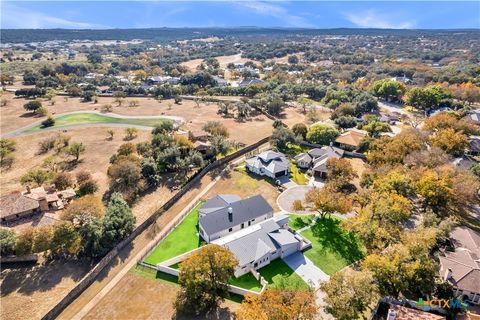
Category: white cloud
[13,16]
[374,19]
[276,11]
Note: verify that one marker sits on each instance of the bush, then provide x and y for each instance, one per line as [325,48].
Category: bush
[62,181]
[47,144]
[42,111]
[297,205]
[49,122]
[32,105]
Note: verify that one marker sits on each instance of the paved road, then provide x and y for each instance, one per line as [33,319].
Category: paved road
[20,131]
[286,198]
[305,268]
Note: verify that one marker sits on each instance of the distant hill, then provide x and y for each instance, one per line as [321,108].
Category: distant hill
[171,34]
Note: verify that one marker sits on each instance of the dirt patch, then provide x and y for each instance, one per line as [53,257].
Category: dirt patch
[28,292]
[135,289]
[192,65]
[245,185]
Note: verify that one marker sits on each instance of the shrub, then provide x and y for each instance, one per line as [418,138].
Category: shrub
[297,205]
[47,144]
[62,181]
[49,122]
[42,111]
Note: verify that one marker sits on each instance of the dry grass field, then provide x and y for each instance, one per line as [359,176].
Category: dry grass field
[223,60]
[14,116]
[98,150]
[28,292]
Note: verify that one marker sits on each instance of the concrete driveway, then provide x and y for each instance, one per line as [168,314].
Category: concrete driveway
[286,198]
[305,268]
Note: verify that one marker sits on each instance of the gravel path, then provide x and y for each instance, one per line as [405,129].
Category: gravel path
[20,131]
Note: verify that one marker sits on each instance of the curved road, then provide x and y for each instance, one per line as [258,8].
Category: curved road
[20,131]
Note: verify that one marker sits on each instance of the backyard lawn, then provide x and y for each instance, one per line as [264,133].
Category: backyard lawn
[332,247]
[182,239]
[247,281]
[298,176]
[92,118]
[298,221]
[278,274]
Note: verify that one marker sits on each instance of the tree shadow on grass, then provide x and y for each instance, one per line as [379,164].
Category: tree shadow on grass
[330,235]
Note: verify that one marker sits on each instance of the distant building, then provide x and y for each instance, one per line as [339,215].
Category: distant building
[269,163]
[461,268]
[392,309]
[224,214]
[221,82]
[350,139]
[248,82]
[474,116]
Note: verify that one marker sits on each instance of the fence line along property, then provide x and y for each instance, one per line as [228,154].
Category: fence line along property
[92,275]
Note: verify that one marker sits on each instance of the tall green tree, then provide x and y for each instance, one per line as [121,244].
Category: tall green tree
[118,222]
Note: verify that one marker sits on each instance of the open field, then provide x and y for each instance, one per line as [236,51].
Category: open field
[149,297]
[332,247]
[14,116]
[28,292]
[93,118]
[223,60]
[95,159]
[183,238]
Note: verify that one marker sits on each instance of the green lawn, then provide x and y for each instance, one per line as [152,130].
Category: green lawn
[92,118]
[298,221]
[298,176]
[247,281]
[182,239]
[332,247]
[279,275]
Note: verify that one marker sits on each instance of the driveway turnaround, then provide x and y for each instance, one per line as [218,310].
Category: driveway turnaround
[305,268]
[286,199]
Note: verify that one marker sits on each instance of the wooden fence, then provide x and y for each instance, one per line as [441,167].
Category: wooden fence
[92,275]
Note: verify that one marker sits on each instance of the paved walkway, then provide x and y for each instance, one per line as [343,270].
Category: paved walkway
[315,182]
[305,268]
[20,131]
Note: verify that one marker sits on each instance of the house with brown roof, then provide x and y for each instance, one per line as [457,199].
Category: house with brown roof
[392,309]
[350,139]
[16,206]
[461,268]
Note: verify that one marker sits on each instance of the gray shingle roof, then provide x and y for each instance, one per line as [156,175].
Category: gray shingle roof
[242,211]
[256,241]
[218,202]
[270,160]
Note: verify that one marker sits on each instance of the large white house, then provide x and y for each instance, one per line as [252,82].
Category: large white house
[256,246]
[269,163]
[225,214]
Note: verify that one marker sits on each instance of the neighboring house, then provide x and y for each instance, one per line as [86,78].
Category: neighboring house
[248,82]
[392,309]
[221,82]
[403,79]
[20,205]
[205,148]
[474,116]
[269,163]
[16,206]
[258,245]
[461,268]
[316,159]
[199,135]
[350,139]
[225,214]
[474,146]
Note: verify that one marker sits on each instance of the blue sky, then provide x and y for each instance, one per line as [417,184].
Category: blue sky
[311,14]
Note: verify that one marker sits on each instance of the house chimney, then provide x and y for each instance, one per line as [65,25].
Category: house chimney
[230,214]
[331,143]
[28,189]
[448,274]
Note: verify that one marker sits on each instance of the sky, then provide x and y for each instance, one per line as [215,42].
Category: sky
[230,13]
